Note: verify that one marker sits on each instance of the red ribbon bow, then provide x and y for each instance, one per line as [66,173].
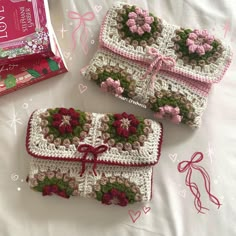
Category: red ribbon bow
[86,149]
[89,16]
[157,63]
[189,166]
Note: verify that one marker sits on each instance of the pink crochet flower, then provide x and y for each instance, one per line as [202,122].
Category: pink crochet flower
[139,21]
[199,41]
[170,112]
[112,86]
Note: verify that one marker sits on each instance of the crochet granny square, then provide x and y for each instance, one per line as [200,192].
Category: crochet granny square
[108,157]
[164,67]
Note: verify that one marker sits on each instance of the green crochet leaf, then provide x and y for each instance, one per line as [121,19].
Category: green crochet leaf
[99,196]
[39,188]
[47,181]
[54,180]
[69,191]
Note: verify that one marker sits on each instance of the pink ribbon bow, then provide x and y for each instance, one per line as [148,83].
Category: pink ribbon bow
[158,62]
[189,166]
[89,16]
[86,149]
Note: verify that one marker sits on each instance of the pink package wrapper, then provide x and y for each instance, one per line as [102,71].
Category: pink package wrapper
[24,30]
[19,75]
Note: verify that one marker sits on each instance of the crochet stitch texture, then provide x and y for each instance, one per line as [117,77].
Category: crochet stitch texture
[108,157]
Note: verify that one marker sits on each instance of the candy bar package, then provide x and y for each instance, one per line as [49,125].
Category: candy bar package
[19,75]
[24,30]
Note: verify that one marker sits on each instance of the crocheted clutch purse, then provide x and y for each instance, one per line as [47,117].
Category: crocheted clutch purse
[108,157]
[166,68]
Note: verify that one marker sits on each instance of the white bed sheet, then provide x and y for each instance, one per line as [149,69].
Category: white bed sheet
[172,213]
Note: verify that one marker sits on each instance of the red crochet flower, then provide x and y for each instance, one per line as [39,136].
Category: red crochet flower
[50,189]
[115,197]
[125,124]
[47,190]
[65,120]
[63,194]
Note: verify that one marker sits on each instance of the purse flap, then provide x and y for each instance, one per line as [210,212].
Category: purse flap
[139,35]
[72,135]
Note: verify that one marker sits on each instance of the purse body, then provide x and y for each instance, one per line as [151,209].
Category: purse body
[74,153]
[164,67]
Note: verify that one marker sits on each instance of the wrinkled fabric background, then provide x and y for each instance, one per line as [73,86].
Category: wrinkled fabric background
[27,213]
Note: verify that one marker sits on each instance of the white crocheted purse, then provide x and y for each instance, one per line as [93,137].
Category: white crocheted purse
[108,157]
[164,67]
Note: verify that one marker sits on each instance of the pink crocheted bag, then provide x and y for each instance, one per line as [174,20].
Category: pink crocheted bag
[108,157]
[164,67]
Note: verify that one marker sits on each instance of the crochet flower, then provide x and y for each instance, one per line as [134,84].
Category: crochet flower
[199,41]
[65,120]
[115,197]
[52,182]
[139,21]
[125,124]
[112,86]
[170,112]
[50,189]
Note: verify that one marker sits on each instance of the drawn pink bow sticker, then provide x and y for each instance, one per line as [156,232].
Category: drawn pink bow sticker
[89,16]
[189,166]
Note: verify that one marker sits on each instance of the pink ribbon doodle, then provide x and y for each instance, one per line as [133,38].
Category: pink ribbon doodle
[189,166]
[86,149]
[89,16]
[157,63]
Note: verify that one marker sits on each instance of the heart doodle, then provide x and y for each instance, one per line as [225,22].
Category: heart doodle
[146,209]
[98,8]
[173,157]
[82,88]
[134,215]
[182,193]
[67,55]
[14,177]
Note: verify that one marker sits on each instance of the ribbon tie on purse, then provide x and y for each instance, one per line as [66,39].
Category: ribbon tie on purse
[158,61]
[86,149]
[89,16]
[189,166]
